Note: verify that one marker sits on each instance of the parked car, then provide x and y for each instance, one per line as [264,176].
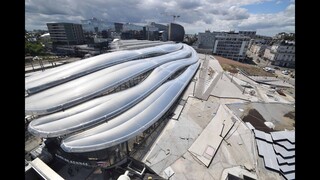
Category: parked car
[285,72]
[269,69]
[277,68]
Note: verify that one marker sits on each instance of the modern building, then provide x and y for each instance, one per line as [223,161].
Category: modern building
[158,86]
[227,44]
[66,33]
[281,54]
[176,32]
[205,40]
[232,45]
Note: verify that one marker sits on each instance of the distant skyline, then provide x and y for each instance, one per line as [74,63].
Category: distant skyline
[267,17]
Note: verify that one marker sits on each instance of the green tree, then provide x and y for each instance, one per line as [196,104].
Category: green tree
[34,49]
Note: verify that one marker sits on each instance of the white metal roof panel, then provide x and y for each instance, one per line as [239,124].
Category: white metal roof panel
[283,152]
[266,150]
[262,136]
[286,144]
[288,161]
[283,135]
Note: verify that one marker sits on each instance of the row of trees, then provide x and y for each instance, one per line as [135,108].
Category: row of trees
[32,46]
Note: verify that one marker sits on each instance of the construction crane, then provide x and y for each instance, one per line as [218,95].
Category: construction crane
[173,15]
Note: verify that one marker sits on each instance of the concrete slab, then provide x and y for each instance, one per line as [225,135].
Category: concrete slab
[177,112]
[179,135]
[226,89]
[214,63]
[270,95]
[44,170]
[271,112]
[237,150]
[219,126]
[238,171]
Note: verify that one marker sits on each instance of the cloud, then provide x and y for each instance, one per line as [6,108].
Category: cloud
[285,20]
[195,15]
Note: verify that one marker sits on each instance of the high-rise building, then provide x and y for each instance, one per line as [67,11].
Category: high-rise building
[66,33]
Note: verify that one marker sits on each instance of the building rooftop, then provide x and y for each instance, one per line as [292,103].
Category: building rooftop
[207,137]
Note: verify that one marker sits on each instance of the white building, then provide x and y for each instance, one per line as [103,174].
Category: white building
[232,46]
[227,44]
[281,54]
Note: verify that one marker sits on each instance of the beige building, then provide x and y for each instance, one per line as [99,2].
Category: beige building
[281,54]
[258,49]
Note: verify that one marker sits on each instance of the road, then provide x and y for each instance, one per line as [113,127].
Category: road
[263,63]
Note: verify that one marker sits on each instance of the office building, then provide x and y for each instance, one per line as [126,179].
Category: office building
[231,45]
[66,33]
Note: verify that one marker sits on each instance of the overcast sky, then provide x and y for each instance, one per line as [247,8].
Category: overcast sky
[267,17]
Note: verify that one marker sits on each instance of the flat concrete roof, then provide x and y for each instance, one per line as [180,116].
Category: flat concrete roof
[44,170]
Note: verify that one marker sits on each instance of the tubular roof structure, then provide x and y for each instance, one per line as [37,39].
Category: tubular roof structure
[62,74]
[95,84]
[127,112]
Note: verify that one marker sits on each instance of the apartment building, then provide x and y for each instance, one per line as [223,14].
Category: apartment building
[281,54]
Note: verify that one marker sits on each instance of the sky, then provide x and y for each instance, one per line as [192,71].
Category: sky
[267,17]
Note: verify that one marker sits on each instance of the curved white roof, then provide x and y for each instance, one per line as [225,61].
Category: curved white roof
[132,122]
[86,87]
[106,107]
[61,74]
[127,113]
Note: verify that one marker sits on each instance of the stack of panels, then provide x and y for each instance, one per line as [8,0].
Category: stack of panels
[278,151]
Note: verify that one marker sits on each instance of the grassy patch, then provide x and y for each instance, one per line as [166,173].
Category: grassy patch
[231,66]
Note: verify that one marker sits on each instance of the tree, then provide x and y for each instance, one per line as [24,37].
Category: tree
[33,49]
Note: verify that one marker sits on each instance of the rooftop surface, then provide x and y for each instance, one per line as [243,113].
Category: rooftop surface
[214,104]
[191,146]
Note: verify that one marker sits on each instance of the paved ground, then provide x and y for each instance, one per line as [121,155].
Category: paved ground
[270,112]
[192,131]
[263,63]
